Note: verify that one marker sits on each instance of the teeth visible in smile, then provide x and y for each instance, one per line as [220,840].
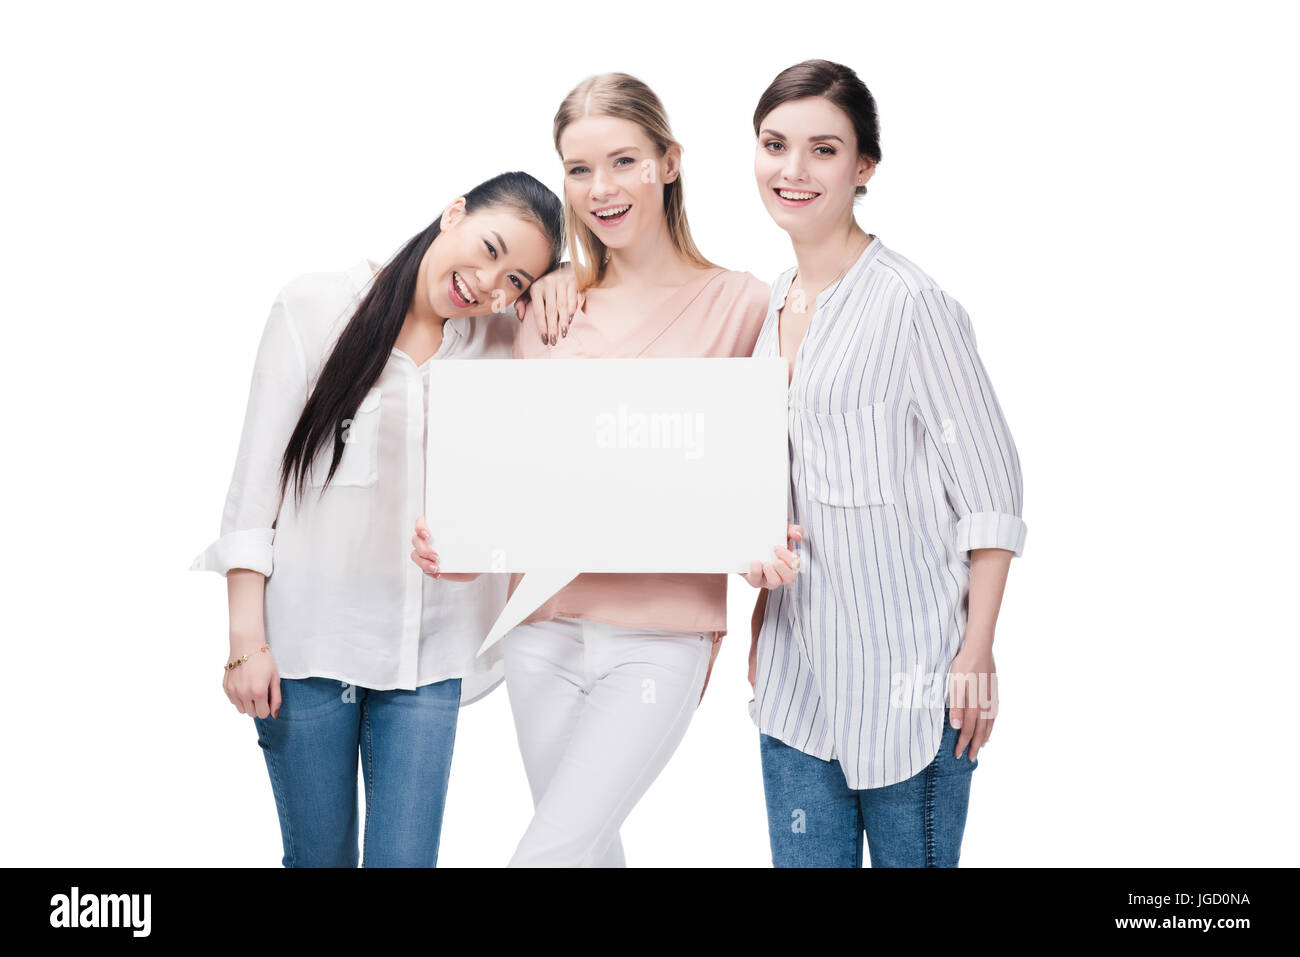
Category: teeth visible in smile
[616,211]
[791,194]
[462,288]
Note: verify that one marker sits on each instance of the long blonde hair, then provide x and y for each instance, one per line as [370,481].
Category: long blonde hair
[625,97]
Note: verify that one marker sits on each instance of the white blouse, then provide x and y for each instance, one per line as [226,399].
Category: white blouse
[343,598]
[901,463]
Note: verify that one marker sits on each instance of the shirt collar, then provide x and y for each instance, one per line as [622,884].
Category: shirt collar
[851,275]
[361,274]
[458,325]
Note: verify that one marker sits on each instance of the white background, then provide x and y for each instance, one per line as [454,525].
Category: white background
[1109,189]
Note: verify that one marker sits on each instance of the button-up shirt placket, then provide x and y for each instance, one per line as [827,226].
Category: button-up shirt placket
[417,400]
[854,362]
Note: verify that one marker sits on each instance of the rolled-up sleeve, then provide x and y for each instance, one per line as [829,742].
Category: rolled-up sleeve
[275,402]
[964,425]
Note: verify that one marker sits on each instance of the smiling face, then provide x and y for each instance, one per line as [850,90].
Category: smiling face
[807,166]
[614,178]
[481,261]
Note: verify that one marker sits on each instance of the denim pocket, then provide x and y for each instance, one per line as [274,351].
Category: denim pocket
[949,745]
[304,698]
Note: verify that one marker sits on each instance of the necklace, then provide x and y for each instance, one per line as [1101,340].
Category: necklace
[839,275]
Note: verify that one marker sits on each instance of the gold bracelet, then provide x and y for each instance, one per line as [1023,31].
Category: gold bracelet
[230,666]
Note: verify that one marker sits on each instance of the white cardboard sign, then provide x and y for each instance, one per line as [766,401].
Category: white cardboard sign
[563,466]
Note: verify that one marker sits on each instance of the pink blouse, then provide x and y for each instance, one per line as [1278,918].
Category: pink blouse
[719,313]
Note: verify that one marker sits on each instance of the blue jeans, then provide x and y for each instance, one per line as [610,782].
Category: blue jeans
[405,739]
[815,819]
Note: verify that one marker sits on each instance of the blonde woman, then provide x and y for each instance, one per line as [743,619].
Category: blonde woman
[577,667]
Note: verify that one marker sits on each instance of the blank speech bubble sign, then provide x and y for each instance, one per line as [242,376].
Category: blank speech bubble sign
[558,467]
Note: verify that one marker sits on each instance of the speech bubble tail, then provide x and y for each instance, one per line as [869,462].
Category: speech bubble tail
[529,595]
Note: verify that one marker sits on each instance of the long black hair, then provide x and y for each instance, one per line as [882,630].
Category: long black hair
[365,344]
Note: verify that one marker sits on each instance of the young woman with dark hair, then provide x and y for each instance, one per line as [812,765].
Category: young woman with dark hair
[873,674]
[338,645]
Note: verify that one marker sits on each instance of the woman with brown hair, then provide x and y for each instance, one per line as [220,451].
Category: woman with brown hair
[874,681]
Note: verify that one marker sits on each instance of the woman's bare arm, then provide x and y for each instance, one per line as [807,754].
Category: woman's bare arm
[973,689]
[254,686]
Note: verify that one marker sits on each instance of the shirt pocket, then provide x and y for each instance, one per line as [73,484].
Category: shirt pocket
[846,456]
[359,465]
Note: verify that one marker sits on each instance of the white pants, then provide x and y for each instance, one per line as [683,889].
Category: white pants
[599,710]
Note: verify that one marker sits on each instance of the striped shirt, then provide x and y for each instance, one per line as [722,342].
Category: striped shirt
[901,462]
